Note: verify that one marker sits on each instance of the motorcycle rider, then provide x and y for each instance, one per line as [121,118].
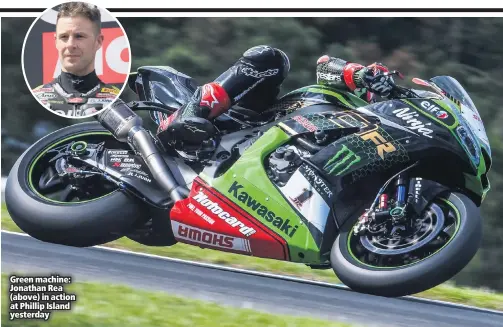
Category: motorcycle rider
[254,81]
[77,38]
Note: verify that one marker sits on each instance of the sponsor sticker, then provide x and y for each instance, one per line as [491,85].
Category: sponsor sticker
[256,74]
[76,100]
[215,208]
[318,182]
[282,224]
[434,109]
[130,165]
[100,100]
[340,162]
[91,91]
[109,90]
[206,237]
[305,198]
[305,123]
[45,89]
[410,118]
[105,95]
[46,96]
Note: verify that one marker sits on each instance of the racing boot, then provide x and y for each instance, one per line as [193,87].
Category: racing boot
[191,125]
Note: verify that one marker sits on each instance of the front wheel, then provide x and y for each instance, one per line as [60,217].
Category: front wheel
[445,239]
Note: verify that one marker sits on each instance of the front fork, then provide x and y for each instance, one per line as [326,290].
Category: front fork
[386,208]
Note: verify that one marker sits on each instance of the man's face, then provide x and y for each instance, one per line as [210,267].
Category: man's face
[77,43]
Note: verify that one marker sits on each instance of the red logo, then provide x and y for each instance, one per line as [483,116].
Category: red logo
[76,100]
[116,164]
[112,60]
[208,211]
[305,123]
[442,115]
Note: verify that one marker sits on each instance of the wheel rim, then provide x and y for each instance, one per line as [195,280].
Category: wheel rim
[434,230]
[45,182]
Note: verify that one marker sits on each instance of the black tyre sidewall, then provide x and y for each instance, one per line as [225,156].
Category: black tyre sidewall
[418,277]
[81,224]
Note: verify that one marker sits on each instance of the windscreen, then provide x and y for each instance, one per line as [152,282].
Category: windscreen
[469,111]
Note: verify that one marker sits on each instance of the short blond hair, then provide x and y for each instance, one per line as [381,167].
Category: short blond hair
[73,9]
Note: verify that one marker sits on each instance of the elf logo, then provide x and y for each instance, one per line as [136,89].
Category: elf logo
[215,208]
[282,224]
[434,109]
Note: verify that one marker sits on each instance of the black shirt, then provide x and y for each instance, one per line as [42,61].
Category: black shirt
[71,95]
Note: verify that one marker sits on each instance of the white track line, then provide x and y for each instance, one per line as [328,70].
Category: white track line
[281,277]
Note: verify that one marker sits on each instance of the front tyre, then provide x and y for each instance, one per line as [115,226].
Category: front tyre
[53,209]
[371,265]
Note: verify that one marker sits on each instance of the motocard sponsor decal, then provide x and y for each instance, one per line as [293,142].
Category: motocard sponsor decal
[209,238]
[410,117]
[209,210]
[215,208]
[200,213]
[283,225]
[306,199]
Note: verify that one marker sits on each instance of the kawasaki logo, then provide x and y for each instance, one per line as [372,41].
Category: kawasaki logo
[412,122]
[224,215]
[341,161]
[280,223]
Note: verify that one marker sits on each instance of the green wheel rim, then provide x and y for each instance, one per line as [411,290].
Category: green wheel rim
[458,220]
[52,146]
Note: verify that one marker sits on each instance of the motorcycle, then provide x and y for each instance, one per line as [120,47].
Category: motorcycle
[387,194]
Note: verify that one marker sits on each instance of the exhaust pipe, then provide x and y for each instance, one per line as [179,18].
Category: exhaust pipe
[127,126]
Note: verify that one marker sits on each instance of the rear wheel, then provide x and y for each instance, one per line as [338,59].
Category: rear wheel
[442,241]
[57,208]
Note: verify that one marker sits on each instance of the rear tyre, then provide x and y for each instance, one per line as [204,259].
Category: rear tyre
[44,206]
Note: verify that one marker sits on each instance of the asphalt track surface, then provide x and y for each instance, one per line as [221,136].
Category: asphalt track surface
[234,287]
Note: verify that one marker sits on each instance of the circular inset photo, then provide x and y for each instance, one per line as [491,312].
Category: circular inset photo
[76,59]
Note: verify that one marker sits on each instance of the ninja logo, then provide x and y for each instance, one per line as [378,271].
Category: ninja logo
[341,161]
